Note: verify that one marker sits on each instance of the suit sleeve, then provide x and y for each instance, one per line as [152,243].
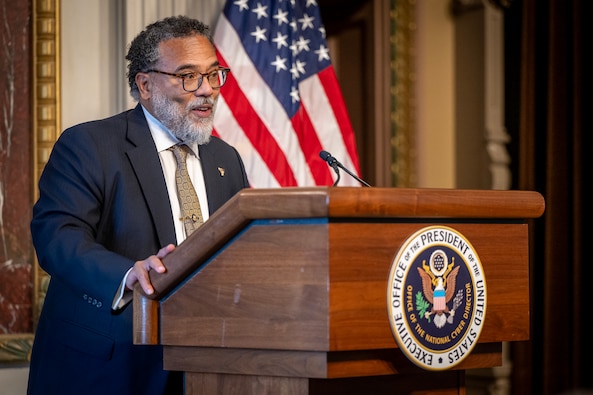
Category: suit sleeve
[67,215]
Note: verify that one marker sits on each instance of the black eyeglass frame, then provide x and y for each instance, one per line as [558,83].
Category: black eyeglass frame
[185,76]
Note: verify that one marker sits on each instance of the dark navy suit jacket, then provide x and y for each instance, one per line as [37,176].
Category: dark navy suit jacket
[103,205]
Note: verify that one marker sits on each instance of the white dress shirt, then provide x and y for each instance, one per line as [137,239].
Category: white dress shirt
[164,140]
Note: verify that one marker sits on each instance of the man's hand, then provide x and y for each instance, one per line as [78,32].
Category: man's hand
[139,272]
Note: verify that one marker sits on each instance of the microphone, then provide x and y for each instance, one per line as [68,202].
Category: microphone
[334,163]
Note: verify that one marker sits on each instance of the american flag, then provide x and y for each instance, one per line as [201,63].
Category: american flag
[281,104]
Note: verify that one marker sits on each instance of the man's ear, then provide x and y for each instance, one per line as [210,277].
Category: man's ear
[144,85]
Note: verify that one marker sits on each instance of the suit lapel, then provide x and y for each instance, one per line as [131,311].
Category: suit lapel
[212,179]
[147,166]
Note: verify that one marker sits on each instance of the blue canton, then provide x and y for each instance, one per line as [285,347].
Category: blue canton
[285,40]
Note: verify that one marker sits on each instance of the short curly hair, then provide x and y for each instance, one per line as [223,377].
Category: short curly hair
[144,49]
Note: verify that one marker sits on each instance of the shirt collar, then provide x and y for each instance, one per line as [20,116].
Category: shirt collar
[163,138]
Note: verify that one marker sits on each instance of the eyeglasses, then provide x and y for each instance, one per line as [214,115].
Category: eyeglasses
[191,82]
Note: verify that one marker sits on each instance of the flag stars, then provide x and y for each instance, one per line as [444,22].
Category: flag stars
[294,95]
[242,4]
[302,44]
[294,72]
[260,11]
[311,3]
[297,69]
[322,31]
[294,48]
[306,22]
[322,53]
[281,17]
[259,34]
[279,64]
[300,66]
[280,40]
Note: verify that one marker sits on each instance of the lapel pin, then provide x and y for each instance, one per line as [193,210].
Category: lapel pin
[221,171]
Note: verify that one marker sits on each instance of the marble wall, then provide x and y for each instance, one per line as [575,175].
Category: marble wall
[16,187]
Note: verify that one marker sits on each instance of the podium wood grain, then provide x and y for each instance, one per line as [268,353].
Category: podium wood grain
[292,284]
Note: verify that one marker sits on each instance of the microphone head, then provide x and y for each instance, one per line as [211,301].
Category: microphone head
[325,155]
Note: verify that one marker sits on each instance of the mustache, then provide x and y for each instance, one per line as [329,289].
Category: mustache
[200,101]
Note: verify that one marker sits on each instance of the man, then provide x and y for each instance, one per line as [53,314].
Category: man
[108,213]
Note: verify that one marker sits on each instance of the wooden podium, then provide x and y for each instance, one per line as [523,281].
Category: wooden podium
[283,291]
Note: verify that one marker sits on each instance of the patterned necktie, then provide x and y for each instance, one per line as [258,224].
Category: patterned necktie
[191,214]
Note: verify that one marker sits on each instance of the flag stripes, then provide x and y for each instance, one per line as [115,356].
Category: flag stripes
[281,105]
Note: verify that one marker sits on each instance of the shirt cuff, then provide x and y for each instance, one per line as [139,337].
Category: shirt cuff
[123,296]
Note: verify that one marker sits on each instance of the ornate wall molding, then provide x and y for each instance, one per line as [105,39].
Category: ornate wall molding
[46,106]
[403,126]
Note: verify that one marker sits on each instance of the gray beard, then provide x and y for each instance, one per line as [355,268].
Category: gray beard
[179,123]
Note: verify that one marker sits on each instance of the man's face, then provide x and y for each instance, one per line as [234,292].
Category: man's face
[189,115]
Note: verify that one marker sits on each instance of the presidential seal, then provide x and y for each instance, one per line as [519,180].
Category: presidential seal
[436,298]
